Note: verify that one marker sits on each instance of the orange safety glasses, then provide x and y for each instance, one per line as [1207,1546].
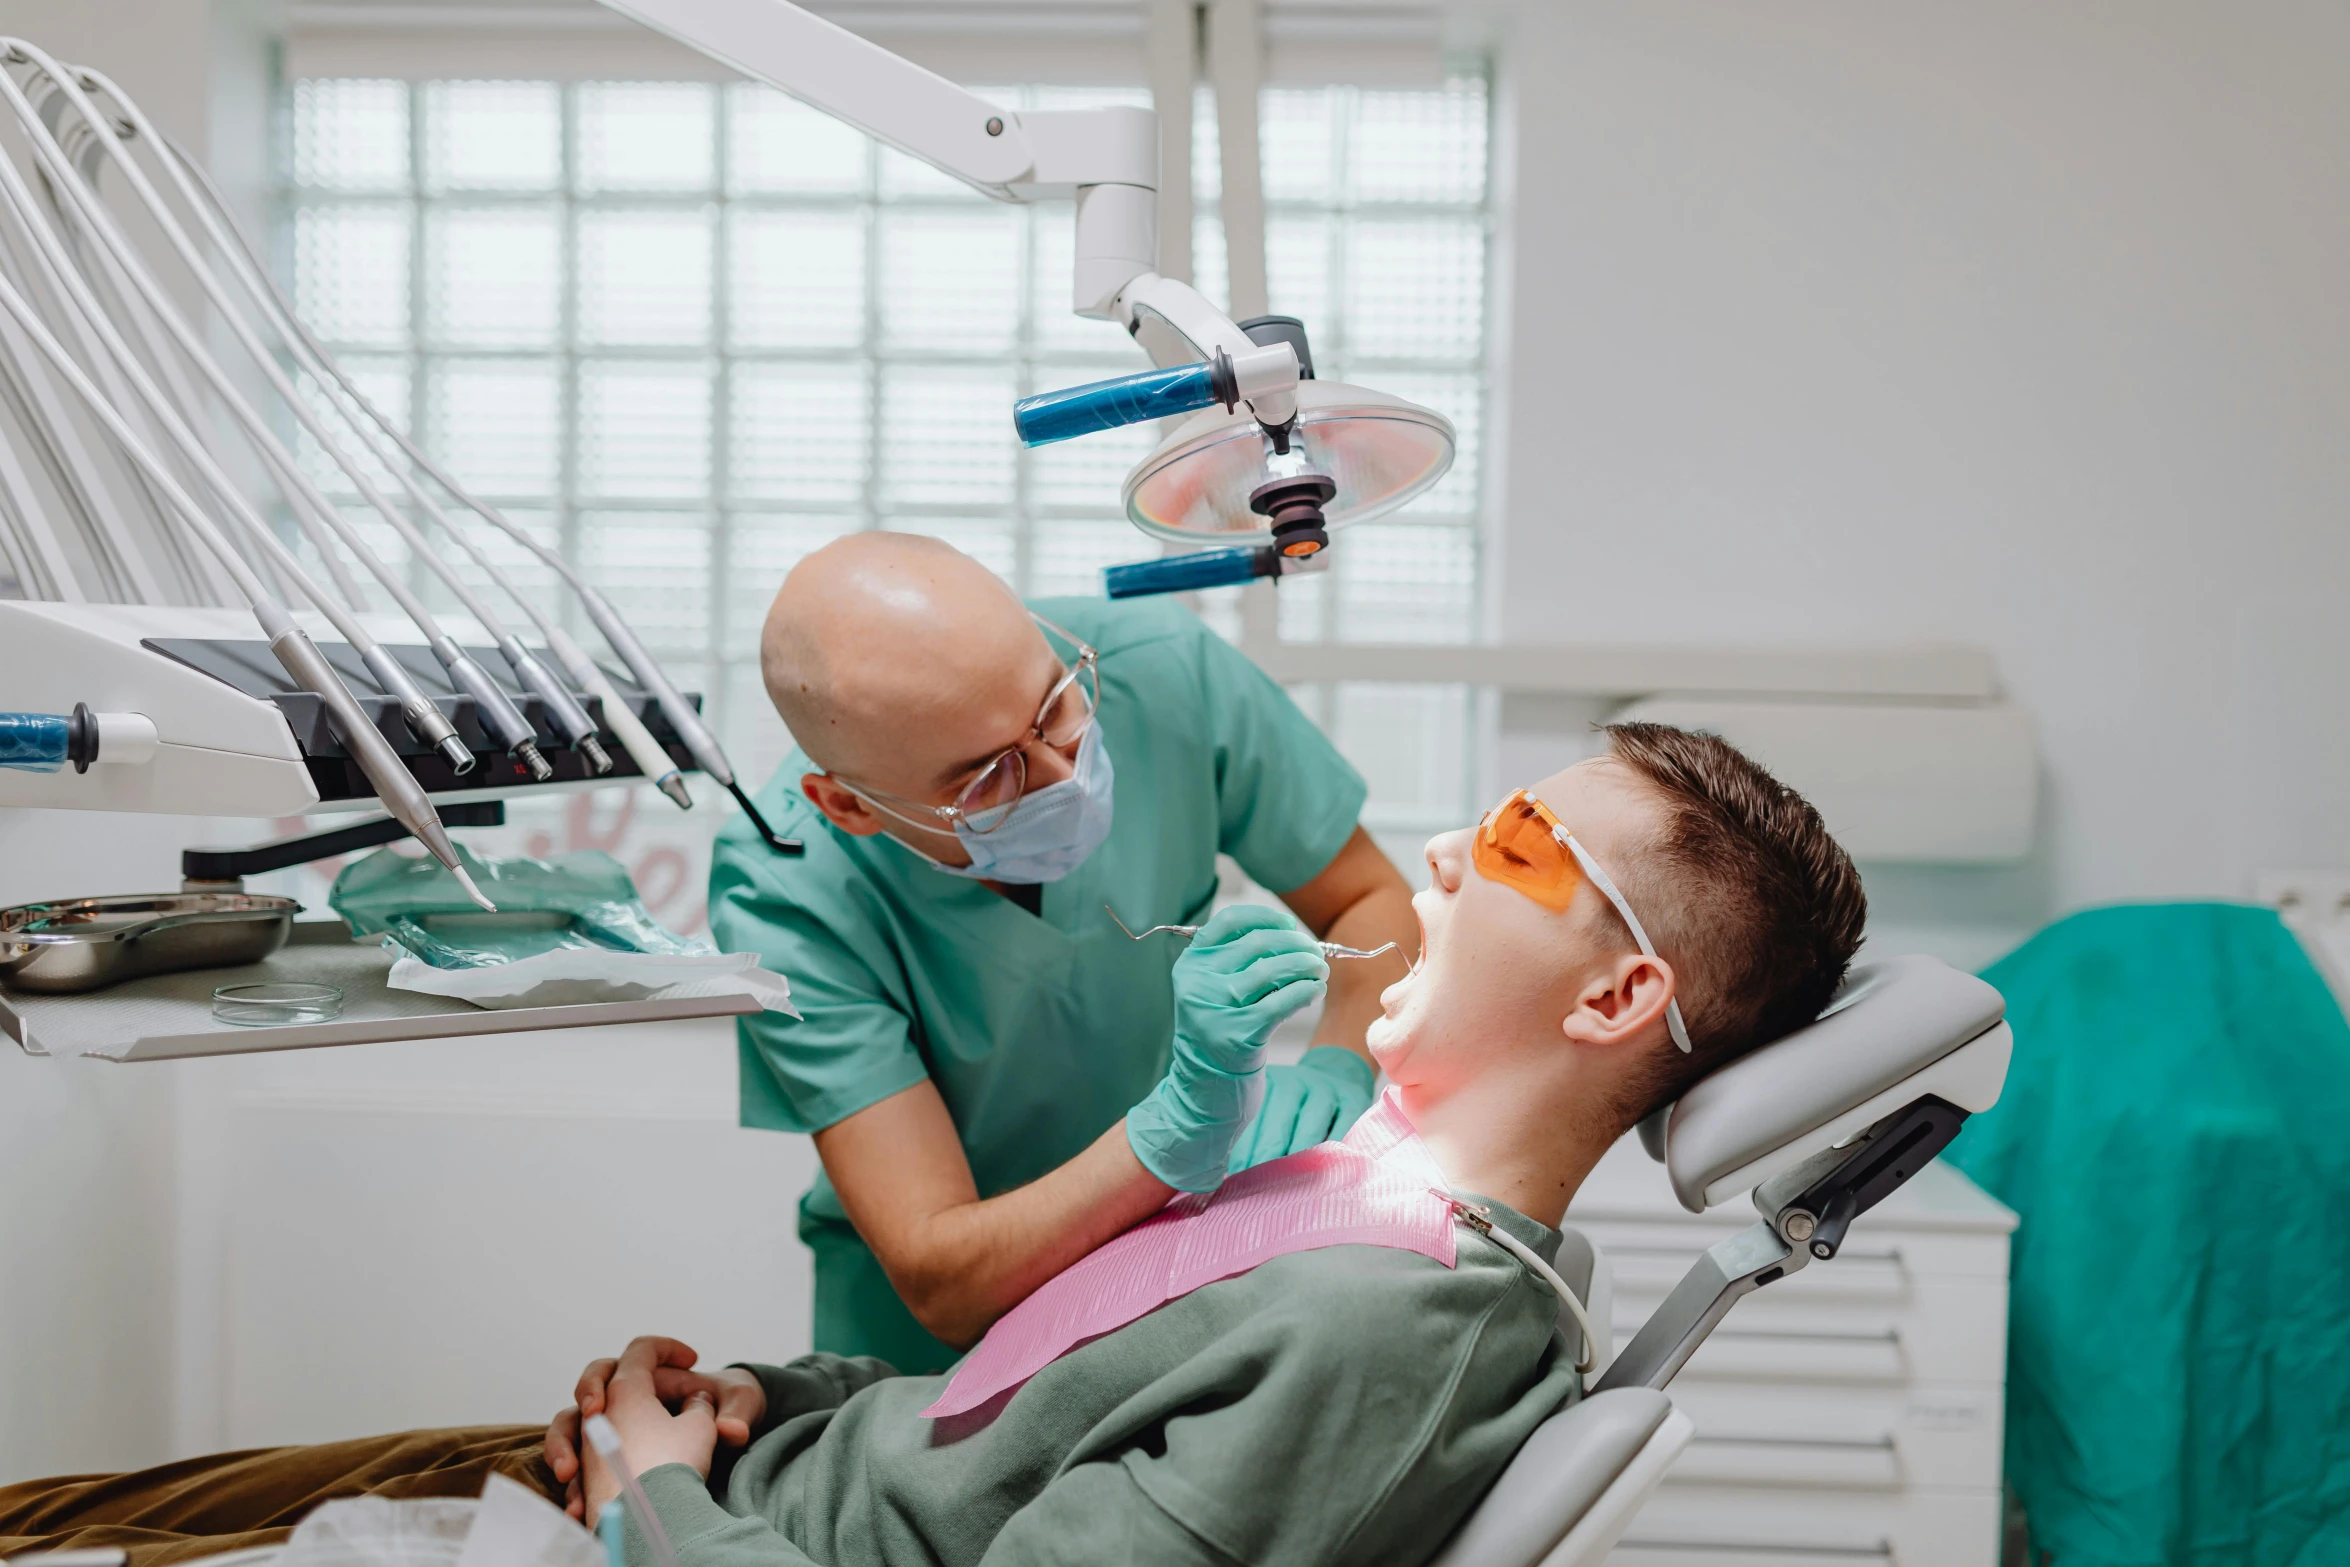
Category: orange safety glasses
[1523,845]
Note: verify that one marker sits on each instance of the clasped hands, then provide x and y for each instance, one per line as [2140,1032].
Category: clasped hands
[665,1411]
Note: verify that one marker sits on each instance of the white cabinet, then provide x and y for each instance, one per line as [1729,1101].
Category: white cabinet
[1849,1413]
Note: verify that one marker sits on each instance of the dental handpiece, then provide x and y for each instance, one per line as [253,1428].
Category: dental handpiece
[423,718]
[1330,949]
[496,712]
[213,210]
[399,791]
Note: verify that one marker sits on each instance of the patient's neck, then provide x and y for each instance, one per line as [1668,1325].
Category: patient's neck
[1511,1141]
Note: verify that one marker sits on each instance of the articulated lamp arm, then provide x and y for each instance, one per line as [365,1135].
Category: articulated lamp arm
[1107,158]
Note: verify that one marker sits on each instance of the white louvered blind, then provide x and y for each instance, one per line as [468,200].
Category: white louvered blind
[691,331]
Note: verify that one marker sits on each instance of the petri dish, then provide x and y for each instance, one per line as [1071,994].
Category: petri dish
[277,1004]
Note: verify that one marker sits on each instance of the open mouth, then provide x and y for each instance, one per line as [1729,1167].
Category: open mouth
[1402,987]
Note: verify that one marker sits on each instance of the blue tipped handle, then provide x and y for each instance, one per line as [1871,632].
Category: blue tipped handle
[1185,573]
[35,742]
[1129,399]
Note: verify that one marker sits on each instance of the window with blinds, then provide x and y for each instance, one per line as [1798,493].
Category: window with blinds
[692,331]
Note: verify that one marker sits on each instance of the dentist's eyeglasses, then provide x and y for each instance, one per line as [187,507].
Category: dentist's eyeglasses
[988,800]
[1525,847]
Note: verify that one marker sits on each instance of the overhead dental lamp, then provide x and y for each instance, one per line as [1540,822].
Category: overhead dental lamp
[1270,459]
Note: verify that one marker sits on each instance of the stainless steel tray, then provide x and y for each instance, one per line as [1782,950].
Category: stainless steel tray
[169,1016]
[75,944]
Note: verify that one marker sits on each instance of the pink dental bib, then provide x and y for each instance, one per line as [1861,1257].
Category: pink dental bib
[1377,1188]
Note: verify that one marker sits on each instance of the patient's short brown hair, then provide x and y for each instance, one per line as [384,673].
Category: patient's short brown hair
[1756,908]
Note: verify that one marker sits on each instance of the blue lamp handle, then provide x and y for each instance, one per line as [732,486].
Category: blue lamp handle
[1124,400]
[1187,573]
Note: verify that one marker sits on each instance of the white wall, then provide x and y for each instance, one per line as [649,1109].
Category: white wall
[444,1232]
[86,1157]
[86,1154]
[2018,324]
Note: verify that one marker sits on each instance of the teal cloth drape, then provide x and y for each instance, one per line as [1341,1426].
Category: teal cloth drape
[2175,1133]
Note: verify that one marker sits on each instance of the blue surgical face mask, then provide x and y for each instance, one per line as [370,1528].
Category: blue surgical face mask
[1052,830]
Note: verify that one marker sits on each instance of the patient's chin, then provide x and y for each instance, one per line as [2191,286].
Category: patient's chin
[1392,997]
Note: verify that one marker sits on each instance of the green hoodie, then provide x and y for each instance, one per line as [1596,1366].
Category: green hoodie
[1345,1405]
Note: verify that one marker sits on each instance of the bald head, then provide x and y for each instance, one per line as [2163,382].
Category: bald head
[891,656]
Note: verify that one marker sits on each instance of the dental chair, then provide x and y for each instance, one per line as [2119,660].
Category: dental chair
[1820,1127]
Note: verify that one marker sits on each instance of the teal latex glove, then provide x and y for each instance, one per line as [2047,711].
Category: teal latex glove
[1246,970]
[1317,1099]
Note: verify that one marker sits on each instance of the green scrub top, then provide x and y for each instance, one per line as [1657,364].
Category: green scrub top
[1040,1030]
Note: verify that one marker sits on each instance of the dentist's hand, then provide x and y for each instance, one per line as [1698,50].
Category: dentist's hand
[1246,971]
[1317,1099]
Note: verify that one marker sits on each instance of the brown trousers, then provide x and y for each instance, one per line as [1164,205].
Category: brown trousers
[232,1501]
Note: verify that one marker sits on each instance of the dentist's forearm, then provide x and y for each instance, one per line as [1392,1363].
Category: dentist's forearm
[957,1260]
[968,1265]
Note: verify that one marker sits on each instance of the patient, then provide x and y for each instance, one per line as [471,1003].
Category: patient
[1342,1405]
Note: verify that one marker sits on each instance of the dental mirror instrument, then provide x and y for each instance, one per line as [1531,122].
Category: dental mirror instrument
[292,647]
[606,1441]
[499,716]
[228,233]
[1330,949]
[423,717]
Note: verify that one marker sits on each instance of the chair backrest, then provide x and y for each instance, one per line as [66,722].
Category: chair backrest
[1898,1030]
[1893,1031]
[1561,1471]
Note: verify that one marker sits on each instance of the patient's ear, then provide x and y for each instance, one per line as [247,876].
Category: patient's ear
[1621,1002]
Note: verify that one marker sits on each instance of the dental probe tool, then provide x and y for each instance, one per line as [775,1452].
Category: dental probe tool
[197,186]
[424,719]
[498,714]
[399,791]
[1330,949]
[606,1441]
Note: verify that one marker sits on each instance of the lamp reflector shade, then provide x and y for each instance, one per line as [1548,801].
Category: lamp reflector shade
[1380,450]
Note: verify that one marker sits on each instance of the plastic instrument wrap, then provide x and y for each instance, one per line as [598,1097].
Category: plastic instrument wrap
[569,931]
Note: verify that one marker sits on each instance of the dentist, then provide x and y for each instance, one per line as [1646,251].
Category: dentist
[997,1079]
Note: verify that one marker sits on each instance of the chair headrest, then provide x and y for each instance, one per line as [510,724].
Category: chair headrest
[1891,1022]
